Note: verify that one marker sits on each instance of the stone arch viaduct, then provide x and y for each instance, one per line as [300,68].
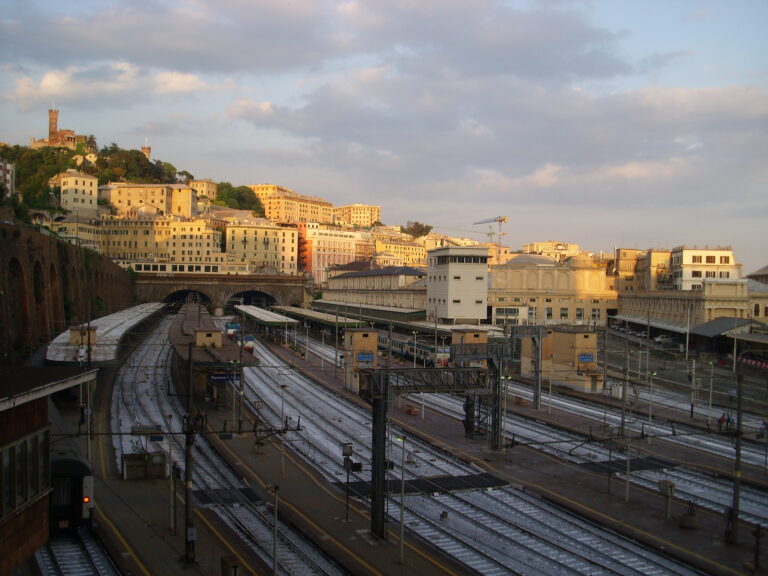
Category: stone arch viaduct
[220,289]
[47,285]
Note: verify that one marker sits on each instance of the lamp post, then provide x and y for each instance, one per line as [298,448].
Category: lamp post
[275,488]
[414,348]
[322,353]
[711,380]
[282,420]
[306,341]
[402,499]
[650,406]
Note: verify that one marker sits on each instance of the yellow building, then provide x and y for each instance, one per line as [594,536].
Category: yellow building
[323,247]
[535,289]
[361,215]
[559,251]
[205,188]
[284,205]
[412,253]
[255,247]
[132,200]
[568,358]
[179,246]
[78,192]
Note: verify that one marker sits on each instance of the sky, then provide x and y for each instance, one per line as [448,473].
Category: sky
[605,123]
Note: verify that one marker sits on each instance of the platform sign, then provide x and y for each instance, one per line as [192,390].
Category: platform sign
[223,377]
[586,357]
[364,358]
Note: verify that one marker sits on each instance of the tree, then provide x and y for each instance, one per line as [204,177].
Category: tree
[184,177]
[416,229]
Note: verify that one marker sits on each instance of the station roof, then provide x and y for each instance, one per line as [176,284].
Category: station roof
[322,317]
[109,332]
[643,320]
[22,384]
[719,326]
[266,317]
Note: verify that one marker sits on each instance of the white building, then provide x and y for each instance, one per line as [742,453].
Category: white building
[79,192]
[457,285]
[691,267]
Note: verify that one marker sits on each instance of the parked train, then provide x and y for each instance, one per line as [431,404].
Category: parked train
[71,485]
[425,353]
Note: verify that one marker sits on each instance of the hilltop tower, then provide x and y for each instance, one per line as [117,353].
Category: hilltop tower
[146,149]
[53,123]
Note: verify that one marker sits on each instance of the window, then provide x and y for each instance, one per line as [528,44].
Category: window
[725,259]
[710,259]
[579,313]
[563,313]
[710,273]
[696,274]
[696,259]
[595,313]
[725,274]
[457,301]
[549,313]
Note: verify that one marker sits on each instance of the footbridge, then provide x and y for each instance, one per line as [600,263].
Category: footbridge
[220,290]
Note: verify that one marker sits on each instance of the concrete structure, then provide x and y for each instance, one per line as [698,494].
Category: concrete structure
[78,192]
[568,358]
[559,251]
[362,215]
[360,352]
[284,205]
[225,289]
[457,285]
[534,289]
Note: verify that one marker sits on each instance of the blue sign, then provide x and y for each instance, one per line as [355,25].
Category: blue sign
[586,357]
[227,377]
[364,357]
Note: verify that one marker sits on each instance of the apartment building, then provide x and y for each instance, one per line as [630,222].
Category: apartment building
[256,247]
[690,267]
[324,246]
[362,215]
[457,285]
[78,192]
[205,188]
[177,245]
[131,200]
[8,176]
[537,289]
[284,205]
[411,252]
[559,251]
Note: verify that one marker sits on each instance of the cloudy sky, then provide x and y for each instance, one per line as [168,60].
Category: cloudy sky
[598,122]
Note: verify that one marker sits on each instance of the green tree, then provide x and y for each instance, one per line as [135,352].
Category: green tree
[416,229]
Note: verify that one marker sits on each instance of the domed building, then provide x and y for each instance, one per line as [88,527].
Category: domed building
[537,289]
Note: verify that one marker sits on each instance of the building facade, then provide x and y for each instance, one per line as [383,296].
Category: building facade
[559,251]
[205,188]
[691,266]
[536,289]
[457,285]
[361,215]
[78,192]
[286,206]
[253,248]
[396,287]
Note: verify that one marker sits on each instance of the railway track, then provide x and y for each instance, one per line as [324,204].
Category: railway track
[78,554]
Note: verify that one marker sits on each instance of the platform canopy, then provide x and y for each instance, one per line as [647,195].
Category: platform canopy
[265,317]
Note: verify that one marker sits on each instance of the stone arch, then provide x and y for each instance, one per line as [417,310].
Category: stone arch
[56,305]
[40,295]
[252,298]
[18,309]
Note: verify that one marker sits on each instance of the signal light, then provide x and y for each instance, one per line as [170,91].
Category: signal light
[86,499]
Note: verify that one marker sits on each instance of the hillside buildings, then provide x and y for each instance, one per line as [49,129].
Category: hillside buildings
[78,192]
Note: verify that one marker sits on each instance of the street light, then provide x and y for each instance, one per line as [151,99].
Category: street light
[275,488]
[711,380]
[322,353]
[402,499]
[650,406]
[282,420]
[414,348]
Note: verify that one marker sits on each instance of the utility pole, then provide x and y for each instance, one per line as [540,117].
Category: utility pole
[732,532]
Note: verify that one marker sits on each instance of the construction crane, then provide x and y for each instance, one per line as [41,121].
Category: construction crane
[500,220]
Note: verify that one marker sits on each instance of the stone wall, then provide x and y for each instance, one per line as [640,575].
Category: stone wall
[47,285]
